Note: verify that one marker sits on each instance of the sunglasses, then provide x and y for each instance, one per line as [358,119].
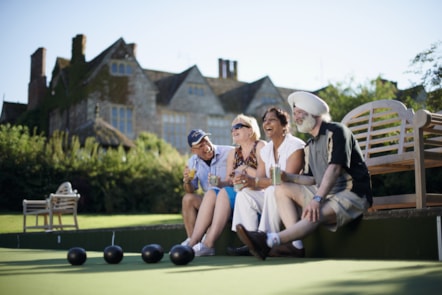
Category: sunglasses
[239,126]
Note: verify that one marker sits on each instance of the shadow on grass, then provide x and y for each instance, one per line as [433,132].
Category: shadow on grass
[132,262]
[312,276]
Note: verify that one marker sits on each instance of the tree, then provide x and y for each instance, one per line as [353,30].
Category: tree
[147,178]
[342,98]
[428,64]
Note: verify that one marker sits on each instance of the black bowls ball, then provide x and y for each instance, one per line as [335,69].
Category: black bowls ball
[152,253]
[113,254]
[181,255]
[77,256]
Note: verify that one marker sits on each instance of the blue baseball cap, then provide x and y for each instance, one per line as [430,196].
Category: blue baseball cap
[195,136]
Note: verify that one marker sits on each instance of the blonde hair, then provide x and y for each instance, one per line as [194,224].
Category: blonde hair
[250,121]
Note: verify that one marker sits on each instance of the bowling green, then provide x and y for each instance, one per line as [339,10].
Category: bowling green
[26,271]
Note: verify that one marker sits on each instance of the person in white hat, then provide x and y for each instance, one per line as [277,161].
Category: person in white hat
[335,187]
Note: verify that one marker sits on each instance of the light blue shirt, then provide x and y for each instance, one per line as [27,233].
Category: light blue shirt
[217,166]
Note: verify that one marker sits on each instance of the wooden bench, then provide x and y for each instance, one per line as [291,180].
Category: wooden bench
[63,202]
[395,139]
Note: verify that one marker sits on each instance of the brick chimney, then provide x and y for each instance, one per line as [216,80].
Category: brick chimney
[133,47]
[227,69]
[235,70]
[78,49]
[37,85]
[221,69]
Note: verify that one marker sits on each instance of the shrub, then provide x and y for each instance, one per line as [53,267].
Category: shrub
[146,178]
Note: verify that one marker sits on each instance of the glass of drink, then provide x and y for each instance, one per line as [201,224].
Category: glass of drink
[238,186]
[276,174]
[213,178]
[192,172]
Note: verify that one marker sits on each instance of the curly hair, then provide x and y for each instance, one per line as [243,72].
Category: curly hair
[282,116]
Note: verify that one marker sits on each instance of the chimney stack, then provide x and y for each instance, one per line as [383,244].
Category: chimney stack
[227,69]
[37,84]
[133,47]
[220,68]
[235,70]
[78,49]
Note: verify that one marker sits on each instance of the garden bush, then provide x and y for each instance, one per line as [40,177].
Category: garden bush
[146,178]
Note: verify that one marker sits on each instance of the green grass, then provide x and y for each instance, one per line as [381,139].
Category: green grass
[13,223]
[30,271]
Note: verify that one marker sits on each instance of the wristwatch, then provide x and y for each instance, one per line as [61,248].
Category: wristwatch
[318,199]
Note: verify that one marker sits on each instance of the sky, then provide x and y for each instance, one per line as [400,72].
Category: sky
[297,44]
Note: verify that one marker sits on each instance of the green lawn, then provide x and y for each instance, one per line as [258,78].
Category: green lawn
[27,271]
[12,223]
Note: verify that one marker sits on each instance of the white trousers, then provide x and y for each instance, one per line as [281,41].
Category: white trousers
[256,210]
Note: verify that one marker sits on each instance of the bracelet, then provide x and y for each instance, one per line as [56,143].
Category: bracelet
[256,181]
[185,182]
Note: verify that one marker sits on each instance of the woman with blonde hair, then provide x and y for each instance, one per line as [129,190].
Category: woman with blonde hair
[216,209]
[255,206]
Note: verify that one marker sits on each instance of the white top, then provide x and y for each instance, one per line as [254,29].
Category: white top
[290,145]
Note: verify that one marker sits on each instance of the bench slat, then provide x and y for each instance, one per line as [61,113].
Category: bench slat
[394,139]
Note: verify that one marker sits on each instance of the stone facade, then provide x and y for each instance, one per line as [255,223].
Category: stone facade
[135,100]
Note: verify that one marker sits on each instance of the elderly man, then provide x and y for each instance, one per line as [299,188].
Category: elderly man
[334,189]
[207,159]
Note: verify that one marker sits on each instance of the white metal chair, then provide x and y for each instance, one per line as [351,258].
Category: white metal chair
[63,202]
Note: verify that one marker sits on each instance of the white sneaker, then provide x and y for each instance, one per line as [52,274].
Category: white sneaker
[186,242]
[201,250]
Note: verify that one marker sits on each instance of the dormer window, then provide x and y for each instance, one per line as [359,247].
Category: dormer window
[195,89]
[128,70]
[120,68]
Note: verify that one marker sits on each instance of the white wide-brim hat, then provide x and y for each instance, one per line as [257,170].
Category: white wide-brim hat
[308,102]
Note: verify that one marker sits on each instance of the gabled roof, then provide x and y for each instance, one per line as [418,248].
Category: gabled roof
[157,75]
[169,85]
[62,62]
[62,65]
[59,71]
[94,66]
[11,111]
[238,99]
[221,85]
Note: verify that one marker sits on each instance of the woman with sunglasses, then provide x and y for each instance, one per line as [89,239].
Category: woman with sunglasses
[216,209]
[255,206]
